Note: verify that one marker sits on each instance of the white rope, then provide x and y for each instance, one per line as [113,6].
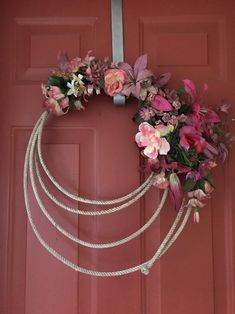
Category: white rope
[90,212]
[144,267]
[70,195]
[77,240]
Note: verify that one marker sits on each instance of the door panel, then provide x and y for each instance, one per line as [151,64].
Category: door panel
[93,153]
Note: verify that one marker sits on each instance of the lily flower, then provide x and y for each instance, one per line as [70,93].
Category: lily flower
[76,86]
[136,75]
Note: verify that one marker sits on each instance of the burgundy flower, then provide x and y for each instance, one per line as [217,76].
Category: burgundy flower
[189,137]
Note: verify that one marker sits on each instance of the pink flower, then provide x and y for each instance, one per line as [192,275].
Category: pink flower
[199,194]
[224,107]
[57,107]
[55,92]
[194,202]
[150,138]
[176,192]
[191,89]
[146,113]
[208,164]
[74,65]
[211,116]
[208,187]
[161,181]
[44,90]
[189,137]
[195,175]
[136,75]
[196,217]
[79,105]
[114,80]
[160,103]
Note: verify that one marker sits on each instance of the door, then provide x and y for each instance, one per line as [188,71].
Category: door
[93,153]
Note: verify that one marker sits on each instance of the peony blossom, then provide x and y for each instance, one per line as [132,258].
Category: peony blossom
[150,138]
[114,80]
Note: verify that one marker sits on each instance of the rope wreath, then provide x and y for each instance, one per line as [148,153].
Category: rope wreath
[31,160]
[181,138]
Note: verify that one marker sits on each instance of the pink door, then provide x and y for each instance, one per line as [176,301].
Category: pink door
[93,153]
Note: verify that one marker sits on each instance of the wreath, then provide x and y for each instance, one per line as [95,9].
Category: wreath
[181,138]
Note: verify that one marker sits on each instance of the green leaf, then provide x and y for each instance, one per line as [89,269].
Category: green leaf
[185,109]
[143,103]
[180,91]
[71,103]
[101,82]
[210,179]
[189,185]
[137,118]
[57,81]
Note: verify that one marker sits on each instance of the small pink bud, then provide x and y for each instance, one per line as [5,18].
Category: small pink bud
[208,187]
[196,217]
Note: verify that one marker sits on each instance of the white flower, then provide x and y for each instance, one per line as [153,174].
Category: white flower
[76,86]
[44,90]
[79,105]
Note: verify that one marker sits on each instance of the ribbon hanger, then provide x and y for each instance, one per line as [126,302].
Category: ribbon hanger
[117,40]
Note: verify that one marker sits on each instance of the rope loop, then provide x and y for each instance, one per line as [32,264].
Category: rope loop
[34,157]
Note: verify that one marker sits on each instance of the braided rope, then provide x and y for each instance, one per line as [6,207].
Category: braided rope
[93,212]
[77,240]
[144,267]
[70,195]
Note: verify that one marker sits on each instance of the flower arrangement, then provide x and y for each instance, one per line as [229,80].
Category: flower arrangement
[181,137]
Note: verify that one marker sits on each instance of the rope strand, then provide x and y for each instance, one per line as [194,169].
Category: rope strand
[143,267]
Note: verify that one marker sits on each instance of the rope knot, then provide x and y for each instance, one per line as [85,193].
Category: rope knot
[145,269]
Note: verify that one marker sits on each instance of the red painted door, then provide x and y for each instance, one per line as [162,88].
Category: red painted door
[93,153]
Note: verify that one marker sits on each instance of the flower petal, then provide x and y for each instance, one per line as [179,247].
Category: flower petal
[160,103]
[140,64]
[176,191]
[190,88]
[164,147]
[151,151]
